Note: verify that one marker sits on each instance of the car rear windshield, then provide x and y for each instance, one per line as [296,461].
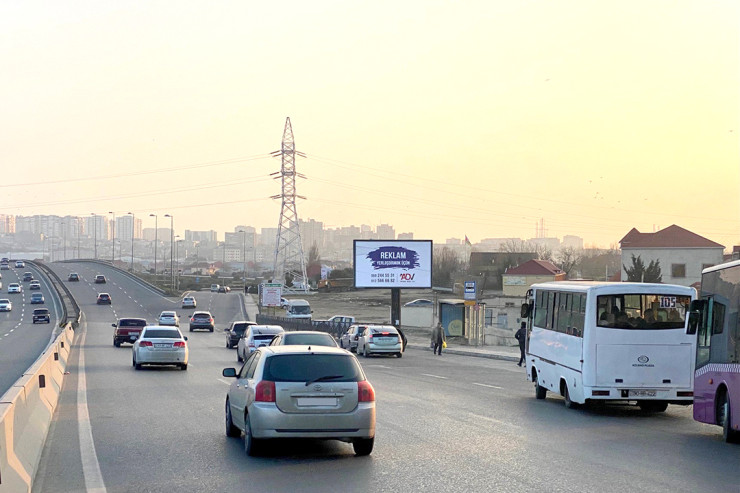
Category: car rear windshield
[309,339]
[240,328]
[265,337]
[310,367]
[131,323]
[161,334]
[40,311]
[202,315]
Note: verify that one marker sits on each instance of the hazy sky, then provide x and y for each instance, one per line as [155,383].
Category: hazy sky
[438,117]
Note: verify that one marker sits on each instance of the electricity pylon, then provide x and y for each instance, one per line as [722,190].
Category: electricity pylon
[290,262]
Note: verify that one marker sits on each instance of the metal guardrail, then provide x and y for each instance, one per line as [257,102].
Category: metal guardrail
[121,271]
[290,324]
[69,305]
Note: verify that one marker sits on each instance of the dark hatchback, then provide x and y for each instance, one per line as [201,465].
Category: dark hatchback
[235,331]
[127,330]
[41,315]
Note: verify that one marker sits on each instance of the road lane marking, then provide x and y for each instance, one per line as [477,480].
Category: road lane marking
[494,420]
[434,376]
[90,465]
[486,385]
[224,381]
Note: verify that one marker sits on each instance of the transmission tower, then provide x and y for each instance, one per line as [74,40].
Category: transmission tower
[289,258]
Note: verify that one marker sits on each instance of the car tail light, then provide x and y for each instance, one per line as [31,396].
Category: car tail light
[265,391]
[145,343]
[179,344]
[210,320]
[365,392]
[192,320]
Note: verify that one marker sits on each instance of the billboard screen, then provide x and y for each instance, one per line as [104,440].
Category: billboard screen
[393,263]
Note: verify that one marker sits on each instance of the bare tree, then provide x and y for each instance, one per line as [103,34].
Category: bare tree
[515,246]
[568,258]
[445,263]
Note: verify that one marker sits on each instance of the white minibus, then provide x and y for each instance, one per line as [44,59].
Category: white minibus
[298,309]
[611,341]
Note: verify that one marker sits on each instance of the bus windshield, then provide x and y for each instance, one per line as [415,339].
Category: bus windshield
[642,311]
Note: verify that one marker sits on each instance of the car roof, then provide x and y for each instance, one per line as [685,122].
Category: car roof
[307,332]
[303,349]
[168,312]
[103,294]
[202,312]
[39,310]
[266,329]
[132,318]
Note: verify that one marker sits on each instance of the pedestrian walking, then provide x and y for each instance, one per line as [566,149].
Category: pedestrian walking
[521,336]
[438,339]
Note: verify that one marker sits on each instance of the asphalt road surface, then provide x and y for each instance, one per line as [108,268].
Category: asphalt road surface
[22,341]
[444,423]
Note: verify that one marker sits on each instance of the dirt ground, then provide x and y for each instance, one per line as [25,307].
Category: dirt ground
[367,305]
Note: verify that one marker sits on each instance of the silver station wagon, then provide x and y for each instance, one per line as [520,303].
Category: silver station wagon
[300,392]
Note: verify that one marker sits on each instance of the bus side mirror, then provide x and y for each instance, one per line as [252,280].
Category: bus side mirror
[526,310]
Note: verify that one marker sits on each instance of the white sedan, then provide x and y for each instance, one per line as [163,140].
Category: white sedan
[189,302]
[5,305]
[161,346]
[169,318]
[14,287]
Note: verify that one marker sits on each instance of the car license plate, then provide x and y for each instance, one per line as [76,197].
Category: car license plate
[159,344]
[643,393]
[133,337]
[317,401]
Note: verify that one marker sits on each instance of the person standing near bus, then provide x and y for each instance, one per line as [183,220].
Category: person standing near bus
[521,336]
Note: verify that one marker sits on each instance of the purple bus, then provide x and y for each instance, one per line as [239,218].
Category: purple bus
[714,319]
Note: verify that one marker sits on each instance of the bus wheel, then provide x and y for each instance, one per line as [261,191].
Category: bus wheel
[724,418]
[653,406]
[569,404]
[539,391]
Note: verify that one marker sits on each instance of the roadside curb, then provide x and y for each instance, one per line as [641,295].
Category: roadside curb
[470,352]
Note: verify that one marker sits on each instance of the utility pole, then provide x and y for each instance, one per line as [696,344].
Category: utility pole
[155,244]
[289,257]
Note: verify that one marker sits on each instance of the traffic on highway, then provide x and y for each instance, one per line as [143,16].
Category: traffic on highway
[421,422]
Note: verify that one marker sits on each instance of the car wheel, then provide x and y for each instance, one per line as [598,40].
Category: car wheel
[211,329]
[239,356]
[231,430]
[116,343]
[133,361]
[363,446]
[251,445]
[399,355]
[341,344]
[191,329]
[228,344]
[137,365]
[540,392]
[364,351]
[184,366]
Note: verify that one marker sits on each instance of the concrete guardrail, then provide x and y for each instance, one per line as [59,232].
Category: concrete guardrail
[26,410]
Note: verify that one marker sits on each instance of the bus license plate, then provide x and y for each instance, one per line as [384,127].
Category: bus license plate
[643,393]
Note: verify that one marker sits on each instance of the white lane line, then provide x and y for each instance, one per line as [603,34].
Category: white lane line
[90,465]
[221,380]
[434,376]
[488,386]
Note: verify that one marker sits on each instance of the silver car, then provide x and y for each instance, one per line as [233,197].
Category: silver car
[349,338]
[255,336]
[297,392]
[304,338]
[5,305]
[169,318]
[379,339]
[159,345]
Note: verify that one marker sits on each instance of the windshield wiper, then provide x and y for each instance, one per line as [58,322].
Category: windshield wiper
[323,379]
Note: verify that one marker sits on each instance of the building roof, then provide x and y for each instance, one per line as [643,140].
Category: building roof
[535,268]
[671,237]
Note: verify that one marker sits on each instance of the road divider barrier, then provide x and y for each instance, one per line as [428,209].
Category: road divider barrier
[26,410]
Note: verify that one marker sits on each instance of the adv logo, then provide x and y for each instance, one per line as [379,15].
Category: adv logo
[407,277]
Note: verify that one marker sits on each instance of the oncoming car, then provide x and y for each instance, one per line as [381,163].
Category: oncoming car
[14,287]
[5,305]
[41,315]
[296,392]
[379,339]
[37,299]
[35,285]
[304,338]
[160,346]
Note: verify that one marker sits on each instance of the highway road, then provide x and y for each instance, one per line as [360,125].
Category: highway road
[444,423]
[22,342]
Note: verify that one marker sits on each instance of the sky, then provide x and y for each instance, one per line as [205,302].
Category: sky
[445,119]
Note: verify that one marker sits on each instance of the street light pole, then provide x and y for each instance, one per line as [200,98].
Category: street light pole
[155,244]
[79,229]
[113,240]
[64,235]
[244,255]
[172,250]
[133,220]
[95,234]
[177,264]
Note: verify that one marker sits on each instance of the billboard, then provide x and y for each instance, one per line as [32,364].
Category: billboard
[393,264]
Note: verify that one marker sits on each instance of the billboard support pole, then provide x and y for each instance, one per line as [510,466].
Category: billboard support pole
[396,307]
